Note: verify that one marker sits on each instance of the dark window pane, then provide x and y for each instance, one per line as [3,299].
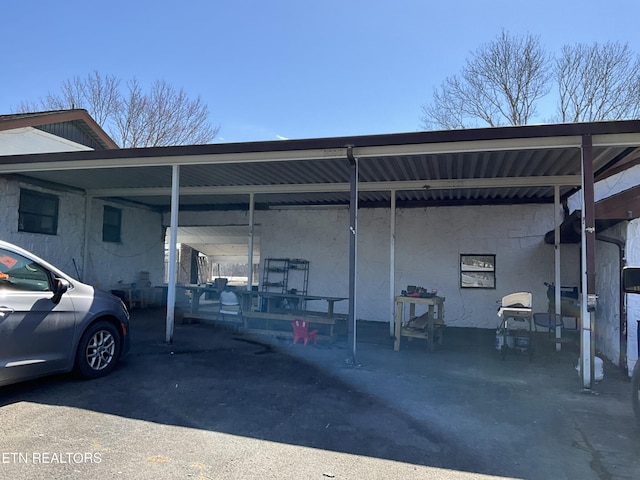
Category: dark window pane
[111,224]
[38,212]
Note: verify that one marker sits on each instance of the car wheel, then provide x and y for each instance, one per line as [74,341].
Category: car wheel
[98,350]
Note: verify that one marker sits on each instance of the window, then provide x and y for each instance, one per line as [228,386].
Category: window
[38,212]
[111,224]
[477,271]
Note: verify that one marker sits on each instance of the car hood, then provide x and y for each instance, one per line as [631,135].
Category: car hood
[90,299]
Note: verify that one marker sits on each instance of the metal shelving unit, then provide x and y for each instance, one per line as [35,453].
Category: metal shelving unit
[298,276]
[275,275]
[285,275]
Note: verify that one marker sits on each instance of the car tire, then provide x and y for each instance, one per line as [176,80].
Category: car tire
[98,351]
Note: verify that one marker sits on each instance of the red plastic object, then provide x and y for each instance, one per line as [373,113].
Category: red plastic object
[301,332]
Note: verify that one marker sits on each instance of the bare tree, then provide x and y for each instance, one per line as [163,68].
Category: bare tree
[499,84]
[164,116]
[131,124]
[452,105]
[598,82]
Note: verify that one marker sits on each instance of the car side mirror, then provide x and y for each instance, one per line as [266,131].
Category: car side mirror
[59,288]
[631,279]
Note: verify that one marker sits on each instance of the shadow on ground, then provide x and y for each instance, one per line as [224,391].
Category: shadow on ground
[460,407]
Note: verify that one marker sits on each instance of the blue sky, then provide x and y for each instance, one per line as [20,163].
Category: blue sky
[272,69]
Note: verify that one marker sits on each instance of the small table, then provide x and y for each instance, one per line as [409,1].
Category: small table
[196,293]
[435,317]
[297,299]
[132,296]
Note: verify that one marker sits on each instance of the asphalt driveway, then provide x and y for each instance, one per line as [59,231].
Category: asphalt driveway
[217,404]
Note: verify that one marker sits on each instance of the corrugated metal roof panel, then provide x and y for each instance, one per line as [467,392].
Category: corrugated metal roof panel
[467,167]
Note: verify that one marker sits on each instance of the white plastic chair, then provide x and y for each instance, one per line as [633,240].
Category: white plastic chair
[230,306]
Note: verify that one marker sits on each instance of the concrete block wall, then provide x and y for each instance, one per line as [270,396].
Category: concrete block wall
[141,248]
[607,314]
[633,300]
[64,250]
[428,247]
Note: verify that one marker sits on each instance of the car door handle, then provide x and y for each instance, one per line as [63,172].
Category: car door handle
[5,310]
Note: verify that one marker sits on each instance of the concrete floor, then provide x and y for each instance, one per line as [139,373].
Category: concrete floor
[218,404]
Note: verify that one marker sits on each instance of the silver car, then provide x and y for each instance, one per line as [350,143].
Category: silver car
[52,323]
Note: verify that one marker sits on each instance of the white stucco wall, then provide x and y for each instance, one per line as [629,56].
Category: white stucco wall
[141,249]
[607,314]
[428,247]
[61,250]
[430,241]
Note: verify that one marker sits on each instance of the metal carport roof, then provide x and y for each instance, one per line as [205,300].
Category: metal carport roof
[460,167]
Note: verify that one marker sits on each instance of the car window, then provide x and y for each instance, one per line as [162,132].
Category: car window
[20,273]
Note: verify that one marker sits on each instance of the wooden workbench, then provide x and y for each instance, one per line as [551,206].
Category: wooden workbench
[280,324]
[435,319]
[277,320]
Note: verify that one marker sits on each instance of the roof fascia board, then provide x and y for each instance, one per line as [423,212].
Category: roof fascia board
[100,163]
[617,140]
[453,141]
[24,165]
[470,146]
[510,182]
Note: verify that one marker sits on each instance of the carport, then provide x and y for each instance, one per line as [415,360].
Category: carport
[541,164]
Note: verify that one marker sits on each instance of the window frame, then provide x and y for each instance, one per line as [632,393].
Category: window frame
[111,232]
[27,217]
[481,274]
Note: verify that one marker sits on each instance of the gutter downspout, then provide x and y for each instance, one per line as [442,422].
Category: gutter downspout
[623,309]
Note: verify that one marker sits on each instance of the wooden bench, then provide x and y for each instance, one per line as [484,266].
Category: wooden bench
[314,321]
